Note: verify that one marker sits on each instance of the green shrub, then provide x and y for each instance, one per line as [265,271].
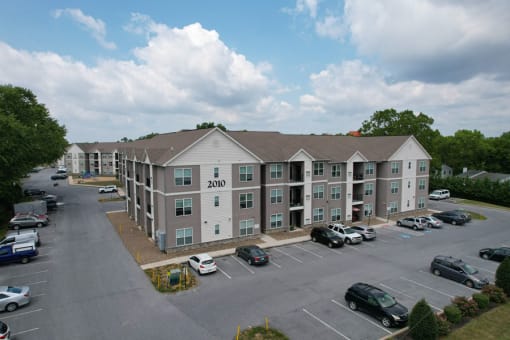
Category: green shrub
[453,313]
[496,294]
[422,322]
[481,299]
[503,276]
[468,308]
[443,326]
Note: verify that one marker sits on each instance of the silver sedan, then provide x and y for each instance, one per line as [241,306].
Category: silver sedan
[13,297]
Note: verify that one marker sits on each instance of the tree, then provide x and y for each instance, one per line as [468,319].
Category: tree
[422,322]
[503,276]
[392,123]
[209,125]
[29,137]
[465,148]
[149,136]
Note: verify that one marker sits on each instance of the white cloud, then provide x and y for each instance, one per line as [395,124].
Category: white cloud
[309,6]
[95,26]
[331,27]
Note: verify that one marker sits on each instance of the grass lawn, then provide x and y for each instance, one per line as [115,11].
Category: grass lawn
[494,324]
[261,333]
[481,204]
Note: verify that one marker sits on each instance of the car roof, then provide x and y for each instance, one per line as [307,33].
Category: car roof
[368,287]
[203,256]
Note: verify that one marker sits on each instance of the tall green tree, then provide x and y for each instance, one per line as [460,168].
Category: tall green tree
[29,137]
[465,149]
[389,122]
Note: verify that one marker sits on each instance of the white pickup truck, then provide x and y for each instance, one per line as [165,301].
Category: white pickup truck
[107,189]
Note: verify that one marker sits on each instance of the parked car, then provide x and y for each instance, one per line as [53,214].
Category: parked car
[34,192]
[58,176]
[365,231]
[27,221]
[51,201]
[348,235]
[252,254]
[452,217]
[464,213]
[18,252]
[20,236]
[439,194]
[457,270]
[202,263]
[326,236]
[416,223]
[13,297]
[62,170]
[432,222]
[5,332]
[495,254]
[107,189]
[377,303]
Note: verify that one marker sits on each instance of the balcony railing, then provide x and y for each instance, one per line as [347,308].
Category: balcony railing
[357,197]
[358,177]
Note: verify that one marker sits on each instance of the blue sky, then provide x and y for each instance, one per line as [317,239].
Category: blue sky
[114,69]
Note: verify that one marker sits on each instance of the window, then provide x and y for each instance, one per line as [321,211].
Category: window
[216,201]
[395,167]
[367,209]
[318,169]
[369,168]
[423,166]
[421,184]
[246,200]
[182,177]
[183,207]
[276,196]
[246,173]
[246,227]
[276,171]
[184,236]
[138,200]
[336,193]
[408,184]
[369,189]
[216,172]
[409,166]
[394,187]
[318,192]
[336,171]
[216,229]
[393,207]
[318,214]
[276,221]
[147,182]
[421,202]
[336,214]
[137,177]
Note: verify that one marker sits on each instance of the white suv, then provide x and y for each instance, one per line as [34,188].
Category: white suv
[439,194]
[107,189]
[349,235]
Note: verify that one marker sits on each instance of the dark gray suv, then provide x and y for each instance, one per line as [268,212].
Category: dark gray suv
[457,270]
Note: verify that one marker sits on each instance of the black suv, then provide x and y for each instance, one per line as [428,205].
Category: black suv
[453,217]
[377,303]
[326,236]
[457,270]
[34,192]
[495,254]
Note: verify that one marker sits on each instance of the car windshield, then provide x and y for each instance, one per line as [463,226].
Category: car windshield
[349,231]
[468,269]
[386,300]
[208,262]
[257,252]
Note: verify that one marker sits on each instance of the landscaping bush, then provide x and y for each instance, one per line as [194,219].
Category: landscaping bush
[481,299]
[443,326]
[422,322]
[503,276]
[453,313]
[468,308]
[496,294]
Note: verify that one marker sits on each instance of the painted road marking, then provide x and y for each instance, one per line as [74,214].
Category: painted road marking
[308,251]
[361,316]
[326,324]
[242,264]
[284,253]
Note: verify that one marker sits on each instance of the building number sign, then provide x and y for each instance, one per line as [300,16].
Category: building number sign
[216,184]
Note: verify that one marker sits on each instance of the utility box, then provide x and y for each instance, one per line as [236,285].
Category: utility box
[37,207]
[175,277]
[162,240]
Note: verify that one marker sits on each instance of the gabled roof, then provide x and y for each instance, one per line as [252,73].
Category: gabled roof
[101,147]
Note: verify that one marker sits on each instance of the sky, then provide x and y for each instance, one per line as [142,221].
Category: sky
[113,69]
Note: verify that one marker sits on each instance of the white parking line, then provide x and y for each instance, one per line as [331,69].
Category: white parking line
[42,262]
[335,251]
[361,316]
[485,270]
[242,264]
[326,324]
[396,291]
[38,295]
[276,264]
[34,283]
[284,253]
[308,251]
[432,289]
[21,314]
[224,273]
[351,247]
[23,332]
[29,274]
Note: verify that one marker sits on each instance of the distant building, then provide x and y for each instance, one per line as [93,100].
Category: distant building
[482,174]
[93,158]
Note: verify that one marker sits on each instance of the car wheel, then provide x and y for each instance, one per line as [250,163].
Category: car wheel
[39,225]
[16,227]
[249,262]
[11,307]
[386,322]
[398,223]
[469,283]
[436,272]
[353,305]
[348,241]
[429,225]
[314,239]
[25,260]
[453,222]
[485,256]
[330,244]
[415,227]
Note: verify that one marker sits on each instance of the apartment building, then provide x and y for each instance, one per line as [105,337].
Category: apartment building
[93,158]
[190,188]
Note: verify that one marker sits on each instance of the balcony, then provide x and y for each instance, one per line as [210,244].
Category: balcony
[357,199]
[358,177]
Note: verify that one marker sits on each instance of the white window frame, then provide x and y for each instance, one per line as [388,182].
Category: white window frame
[393,207]
[247,172]
[421,202]
[184,202]
[216,229]
[184,236]
[276,196]
[367,209]
[276,171]
[394,187]
[336,214]
[336,193]
[180,173]
[248,200]
[369,189]
[318,214]
[369,168]
[336,170]
[246,226]
[395,167]
[423,166]
[216,201]
[422,183]
[318,168]
[276,221]
[318,192]
[216,172]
